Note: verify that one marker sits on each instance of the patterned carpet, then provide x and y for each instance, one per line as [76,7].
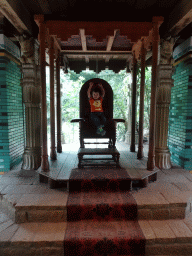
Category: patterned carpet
[102,215]
[99,179]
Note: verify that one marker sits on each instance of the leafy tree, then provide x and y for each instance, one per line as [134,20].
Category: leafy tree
[121,85]
[147,96]
[72,83]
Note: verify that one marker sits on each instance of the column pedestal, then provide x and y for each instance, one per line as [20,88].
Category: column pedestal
[31,158]
[162,158]
[165,82]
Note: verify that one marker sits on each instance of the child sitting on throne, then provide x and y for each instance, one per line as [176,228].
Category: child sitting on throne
[96,94]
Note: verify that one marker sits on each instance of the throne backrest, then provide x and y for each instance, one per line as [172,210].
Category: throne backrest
[107,101]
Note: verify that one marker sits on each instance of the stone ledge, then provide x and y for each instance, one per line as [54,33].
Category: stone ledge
[180,249]
[164,213]
[169,237]
[48,251]
[41,216]
[36,207]
[33,239]
[52,208]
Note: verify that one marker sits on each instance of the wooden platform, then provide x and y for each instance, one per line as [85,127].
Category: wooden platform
[60,169]
[90,161]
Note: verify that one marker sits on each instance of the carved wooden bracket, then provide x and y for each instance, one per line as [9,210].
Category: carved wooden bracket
[148,40]
[39,19]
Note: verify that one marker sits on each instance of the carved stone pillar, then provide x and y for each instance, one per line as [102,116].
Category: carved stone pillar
[164,82]
[134,84]
[53,154]
[151,153]
[59,144]
[31,98]
[42,39]
[141,111]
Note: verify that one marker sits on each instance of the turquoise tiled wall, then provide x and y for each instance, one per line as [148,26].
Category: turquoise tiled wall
[180,118]
[11,113]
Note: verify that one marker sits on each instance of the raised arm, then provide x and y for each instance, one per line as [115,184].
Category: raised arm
[89,90]
[102,90]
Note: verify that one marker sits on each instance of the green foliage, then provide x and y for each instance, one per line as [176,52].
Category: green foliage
[121,85]
[147,96]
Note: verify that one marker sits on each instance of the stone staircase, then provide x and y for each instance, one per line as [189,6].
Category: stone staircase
[35,221]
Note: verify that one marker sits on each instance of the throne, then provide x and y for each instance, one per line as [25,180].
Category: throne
[87,129]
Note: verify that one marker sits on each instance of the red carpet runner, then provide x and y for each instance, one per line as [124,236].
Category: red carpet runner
[102,215]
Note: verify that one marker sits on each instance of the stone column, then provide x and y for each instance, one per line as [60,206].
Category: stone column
[141,112]
[59,144]
[132,146]
[53,154]
[42,39]
[151,153]
[31,98]
[165,82]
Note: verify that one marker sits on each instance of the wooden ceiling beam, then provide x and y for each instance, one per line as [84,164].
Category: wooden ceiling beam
[110,41]
[11,11]
[179,18]
[95,52]
[83,42]
[110,44]
[65,29]
[148,40]
[56,42]
[39,19]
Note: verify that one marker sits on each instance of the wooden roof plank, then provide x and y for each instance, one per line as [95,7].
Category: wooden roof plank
[65,29]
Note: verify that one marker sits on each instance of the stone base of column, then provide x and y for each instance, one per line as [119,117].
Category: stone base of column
[140,153]
[53,154]
[163,159]
[59,148]
[151,163]
[132,147]
[44,164]
[31,159]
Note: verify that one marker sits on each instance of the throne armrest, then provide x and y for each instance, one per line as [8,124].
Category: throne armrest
[119,120]
[76,120]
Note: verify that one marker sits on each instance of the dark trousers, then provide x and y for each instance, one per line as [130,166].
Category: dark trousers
[98,118]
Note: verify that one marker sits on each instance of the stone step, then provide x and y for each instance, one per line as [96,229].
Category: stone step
[99,179]
[101,206]
[36,207]
[53,207]
[32,238]
[161,206]
[168,237]
[104,238]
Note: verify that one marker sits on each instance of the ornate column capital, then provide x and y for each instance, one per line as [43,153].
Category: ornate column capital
[164,84]
[166,51]
[31,85]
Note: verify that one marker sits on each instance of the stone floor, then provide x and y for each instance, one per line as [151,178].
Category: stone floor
[164,209]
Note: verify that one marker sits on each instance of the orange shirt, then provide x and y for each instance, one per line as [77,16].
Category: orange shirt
[96,105]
